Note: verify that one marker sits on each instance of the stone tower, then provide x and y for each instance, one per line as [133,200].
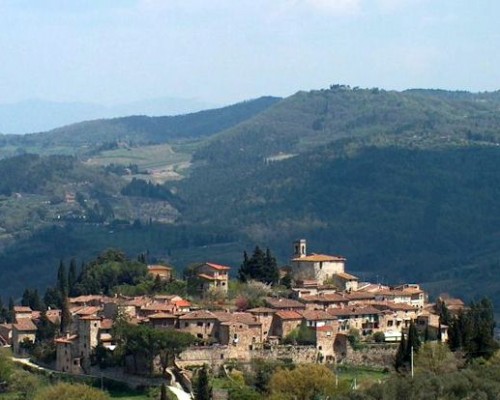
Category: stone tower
[299,248]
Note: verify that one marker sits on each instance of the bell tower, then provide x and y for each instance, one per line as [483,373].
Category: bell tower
[299,248]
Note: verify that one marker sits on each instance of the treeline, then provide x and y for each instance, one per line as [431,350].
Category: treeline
[142,188]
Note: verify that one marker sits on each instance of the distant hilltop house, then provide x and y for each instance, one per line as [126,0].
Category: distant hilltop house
[211,276]
[321,268]
[162,271]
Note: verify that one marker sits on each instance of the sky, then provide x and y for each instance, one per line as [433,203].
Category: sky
[224,51]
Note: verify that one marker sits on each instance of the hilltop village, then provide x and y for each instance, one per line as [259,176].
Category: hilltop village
[325,308]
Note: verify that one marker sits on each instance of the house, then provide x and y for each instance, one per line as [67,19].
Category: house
[265,316]
[67,356]
[345,281]
[282,303]
[284,322]
[239,329]
[212,276]
[319,267]
[5,334]
[366,319]
[201,324]
[324,301]
[23,333]
[410,294]
[22,312]
[163,320]
[162,271]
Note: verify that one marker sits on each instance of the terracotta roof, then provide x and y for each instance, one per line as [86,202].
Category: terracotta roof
[91,310]
[389,305]
[88,298]
[360,295]
[317,315]
[181,303]
[345,275]
[218,266]
[326,298]
[159,307]
[288,315]
[22,309]
[159,267]
[163,316]
[258,310]
[106,323]
[318,258]
[89,318]
[25,325]
[324,328]
[283,303]
[239,317]
[66,340]
[199,314]
[347,311]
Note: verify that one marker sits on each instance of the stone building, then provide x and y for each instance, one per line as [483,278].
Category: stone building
[212,276]
[201,324]
[162,271]
[23,333]
[319,267]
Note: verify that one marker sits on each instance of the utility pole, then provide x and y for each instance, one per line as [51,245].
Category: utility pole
[412,372]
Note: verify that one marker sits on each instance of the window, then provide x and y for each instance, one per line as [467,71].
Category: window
[186,324]
[199,336]
[199,323]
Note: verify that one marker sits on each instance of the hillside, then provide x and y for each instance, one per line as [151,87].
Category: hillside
[404,184]
[91,136]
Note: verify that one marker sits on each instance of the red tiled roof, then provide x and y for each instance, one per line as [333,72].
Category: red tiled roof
[22,309]
[182,303]
[258,310]
[199,314]
[163,316]
[106,323]
[317,315]
[347,311]
[326,298]
[66,340]
[159,268]
[345,275]
[283,303]
[324,328]
[318,258]
[288,315]
[218,266]
[24,325]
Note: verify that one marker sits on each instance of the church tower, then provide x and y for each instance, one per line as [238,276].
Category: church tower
[299,248]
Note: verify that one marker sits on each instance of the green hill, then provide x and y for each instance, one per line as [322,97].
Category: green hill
[404,184]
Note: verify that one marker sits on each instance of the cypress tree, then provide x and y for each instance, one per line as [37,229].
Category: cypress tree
[413,341]
[10,312]
[72,277]
[163,392]
[399,360]
[62,279]
[65,316]
[203,390]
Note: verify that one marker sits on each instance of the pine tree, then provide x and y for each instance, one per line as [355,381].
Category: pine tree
[10,312]
[271,274]
[413,342]
[36,303]
[244,271]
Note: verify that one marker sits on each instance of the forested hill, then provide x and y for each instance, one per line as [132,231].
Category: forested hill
[143,129]
[405,184]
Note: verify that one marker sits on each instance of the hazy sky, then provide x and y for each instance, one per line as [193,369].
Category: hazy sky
[222,51]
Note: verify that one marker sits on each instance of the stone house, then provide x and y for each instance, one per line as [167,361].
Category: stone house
[240,329]
[282,303]
[345,281]
[23,331]
[67,355]
[22,312]
[318,318]
[323,301]
[5,334]
[201,324]
[284,322]
[265,316]
[163,321]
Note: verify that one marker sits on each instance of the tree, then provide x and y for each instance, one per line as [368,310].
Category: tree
[65,316]
[46,329]
[399,359]
[305,382]
[68,391]
[163,392]
[203,391]
[413,341]
[436,358]
[72,277]
[260,266]
[62,279]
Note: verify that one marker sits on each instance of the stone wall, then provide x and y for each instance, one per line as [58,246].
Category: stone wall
[372,355]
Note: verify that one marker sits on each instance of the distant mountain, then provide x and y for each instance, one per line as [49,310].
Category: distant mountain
[85,136]
[40,115]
